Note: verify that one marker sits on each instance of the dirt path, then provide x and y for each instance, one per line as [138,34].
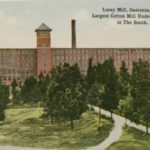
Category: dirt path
[116,131]
[114,134]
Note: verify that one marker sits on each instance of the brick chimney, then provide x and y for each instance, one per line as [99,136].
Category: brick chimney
[73,28]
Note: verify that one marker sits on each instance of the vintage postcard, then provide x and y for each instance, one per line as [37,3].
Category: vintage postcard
[74,75]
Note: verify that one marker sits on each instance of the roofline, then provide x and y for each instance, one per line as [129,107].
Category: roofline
[18,48]
[133,48]
[102,48]
[43,30]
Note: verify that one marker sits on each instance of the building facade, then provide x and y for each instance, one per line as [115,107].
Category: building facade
[20,64]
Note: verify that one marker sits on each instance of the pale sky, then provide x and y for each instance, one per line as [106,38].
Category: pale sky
[20,18]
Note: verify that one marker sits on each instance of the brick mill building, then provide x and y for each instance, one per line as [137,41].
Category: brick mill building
[21,63]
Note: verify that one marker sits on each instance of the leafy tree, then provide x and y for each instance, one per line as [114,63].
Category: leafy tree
[54,100]
[75,103]
[124,80]
[100,91]
[141,92]
[95,96]
[125,106]
[71,82]
[4,97]
[26,90]
[89,81]
[54,95]
[90,77]
[15,92]
[92,94]
[65,96]
[111,84]
[99,74]
[36,95]
[42,86]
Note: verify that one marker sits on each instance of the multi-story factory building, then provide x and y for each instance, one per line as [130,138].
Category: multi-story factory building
[21,63]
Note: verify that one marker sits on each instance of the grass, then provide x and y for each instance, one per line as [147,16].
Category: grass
[132,139]
[25,127]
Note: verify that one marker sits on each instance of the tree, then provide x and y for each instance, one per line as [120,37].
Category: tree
[36,95]
[65,96]
[90,77]
[75,103]
[92,94]
[125,106]
[124,80]
[72,82]
[42,85]
[89,81]
[26,90]
[95,96]
[95,93]
[111,85]
[15,92]
[140,91]
[53,101]
[100,91]
[4,97]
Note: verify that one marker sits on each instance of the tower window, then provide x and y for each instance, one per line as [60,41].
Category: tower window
[44,33]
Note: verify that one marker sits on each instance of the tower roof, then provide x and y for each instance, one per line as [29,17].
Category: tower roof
[43,27]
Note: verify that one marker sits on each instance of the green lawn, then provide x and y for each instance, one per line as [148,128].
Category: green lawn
[25,127]
[132,139]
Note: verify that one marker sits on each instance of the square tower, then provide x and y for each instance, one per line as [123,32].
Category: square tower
[43,49]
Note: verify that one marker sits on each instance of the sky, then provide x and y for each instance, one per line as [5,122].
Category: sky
[20,18]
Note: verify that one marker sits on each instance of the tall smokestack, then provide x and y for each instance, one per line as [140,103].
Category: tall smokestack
[73,24]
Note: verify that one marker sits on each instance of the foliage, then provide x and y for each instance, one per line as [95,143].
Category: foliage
[4,97]
[124,78]
[136,106]
[111,84]
[27,89]
[103,76]
[42,86]
[125,106]
[90,77]
[65,96]
[16,91]
[141,92]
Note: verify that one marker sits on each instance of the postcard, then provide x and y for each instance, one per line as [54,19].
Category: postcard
[74,74]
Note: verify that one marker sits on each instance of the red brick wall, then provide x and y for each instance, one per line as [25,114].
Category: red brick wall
[99,55]
[41,40]
[43,53]
[17,64]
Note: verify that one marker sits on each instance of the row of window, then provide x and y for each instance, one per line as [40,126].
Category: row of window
[67,56]
[10,78]
[17,66]
[24,57]
[97,58]
[99,51]
[13,71]
[27,51]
